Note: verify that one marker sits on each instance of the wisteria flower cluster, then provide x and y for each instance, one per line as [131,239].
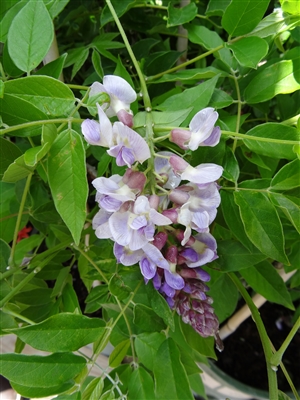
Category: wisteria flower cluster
[165,231]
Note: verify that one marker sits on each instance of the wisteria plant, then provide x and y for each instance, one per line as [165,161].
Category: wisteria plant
[145,188]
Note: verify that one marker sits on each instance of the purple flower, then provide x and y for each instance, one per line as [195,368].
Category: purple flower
[202,131]
[121,96]
[200,252]
[98,133]
[165,170]
[202,174]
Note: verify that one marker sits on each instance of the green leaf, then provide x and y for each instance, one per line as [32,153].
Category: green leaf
[81,59]
[273,131]
[291,6]
[171,380]
[275,79]
[262,224]
[30,35]
[17,171]
[40,371]
[6,20]
[288,177]
[160,306]
[96,60]
[120,8]
[227,295]
[181,15]
[141,385]
[93,389]
[6,322]
[56,6]
[67,179]
[193,74]
[231,167]
[283,396]
[4,255]
[272,24]
[147,319]
[290,209]
[220,99]
[146,345]
[203,346]
[35,392]
[118,353]
[15,111]
[62,332]
[118,288]
[50,95]
[8,153]
[207,38]
[265,280]
[249,50]
[197,97]
[233,220]
[53,68]
[240,17]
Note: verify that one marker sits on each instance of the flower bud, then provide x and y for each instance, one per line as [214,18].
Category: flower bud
[180,137]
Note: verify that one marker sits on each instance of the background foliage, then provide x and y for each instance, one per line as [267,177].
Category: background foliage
[248,68]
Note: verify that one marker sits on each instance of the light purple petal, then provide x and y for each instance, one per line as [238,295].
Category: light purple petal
[138,222]
[119,228]
[214,137]
[123,133]
[115,150]
[203,173]
[204,258]
[207,239]
[96,88]
[148,268]
[156,256]
[120,88]
[201,220]
[203,275]
[100,218]
[105,185]
[137,241]
[149,231]
[174,280]
[110,204]
[156,281]
[105,128]
[91,131]
[159,219]
[201,126]
[125,256]
[190,254]
[168,290]
[103,231]
[127,156]
[141,205]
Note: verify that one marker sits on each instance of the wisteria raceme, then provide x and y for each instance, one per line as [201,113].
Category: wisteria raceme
[159,216]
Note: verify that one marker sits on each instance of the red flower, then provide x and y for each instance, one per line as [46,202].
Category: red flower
[24,233]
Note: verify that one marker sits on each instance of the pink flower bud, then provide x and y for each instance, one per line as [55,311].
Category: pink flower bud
[134,179]
[172,214]
[171,254]
[179,197]
[154,201]
[178,164]
[160,240]
[180,137]
[125,117]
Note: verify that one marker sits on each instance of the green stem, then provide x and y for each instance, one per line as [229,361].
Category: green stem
[272,377]
[79,87]
[36,123]
[193,60]
[129,332]
[277,357]
[239,105]
[19,218]
[80,103]
[19,316]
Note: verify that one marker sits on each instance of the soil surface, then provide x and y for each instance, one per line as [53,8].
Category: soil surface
[243,357]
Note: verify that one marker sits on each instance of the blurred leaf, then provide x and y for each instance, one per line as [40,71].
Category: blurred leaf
[240,18]
[199,34]
[56,6]
[249,50]
[120,8]
[141,385]
[93,389]
[147,319]
[160,306]
[118,288]
[67,179]
[4,255]
[146,345]
[181,15]
[118,353]
[265,280]
[275,79]
[231,167]
[62,332]
[17,170]
[272,24]
[262,224]
[217,7]
[291,6]
[273,131]
[30,35]
[8,153]
[168,364]
[30,374]
[53,68]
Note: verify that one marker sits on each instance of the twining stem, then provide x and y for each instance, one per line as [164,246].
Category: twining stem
[129,332]
[19,218]
[272,377]
[277,357]
[239,109]
[193,60]
[83,253]
[40,122]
